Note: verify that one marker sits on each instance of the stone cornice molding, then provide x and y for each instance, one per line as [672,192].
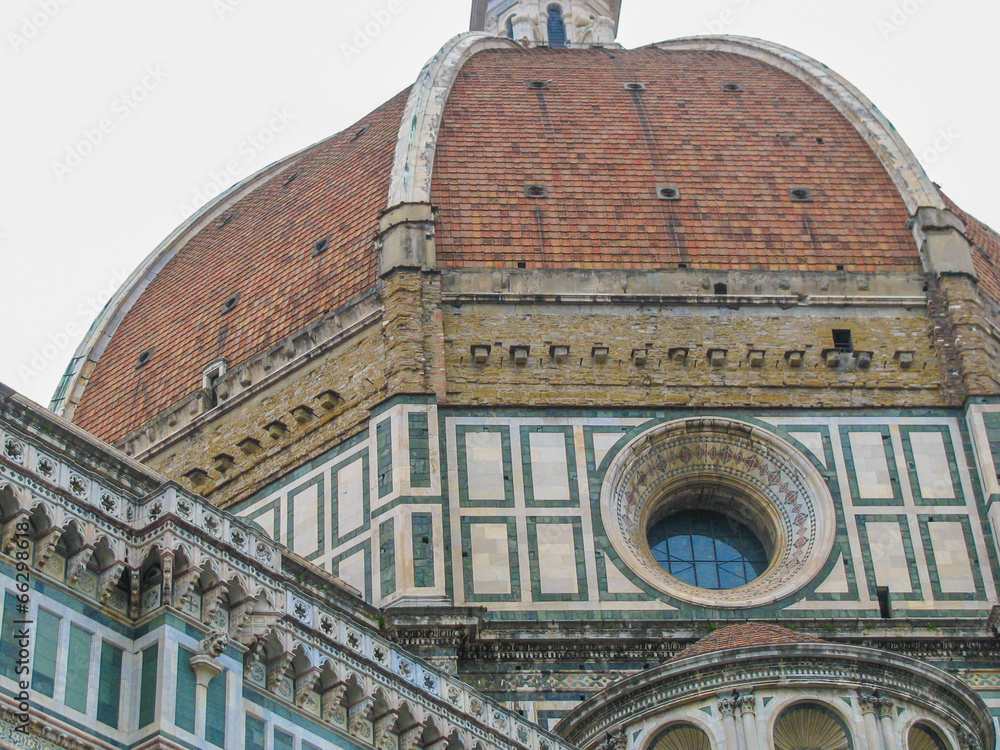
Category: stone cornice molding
[760,667]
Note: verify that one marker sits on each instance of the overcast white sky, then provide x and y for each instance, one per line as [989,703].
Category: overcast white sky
[182,87]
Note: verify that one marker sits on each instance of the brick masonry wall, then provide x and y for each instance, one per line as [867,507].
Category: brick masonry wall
[357,371]
[662,381]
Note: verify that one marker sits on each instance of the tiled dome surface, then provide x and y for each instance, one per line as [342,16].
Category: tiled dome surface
[264,253]
[602,150]
[744,635]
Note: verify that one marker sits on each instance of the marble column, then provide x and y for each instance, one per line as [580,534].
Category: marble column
[885,708]
[747,705]
[869,708]
[727,709]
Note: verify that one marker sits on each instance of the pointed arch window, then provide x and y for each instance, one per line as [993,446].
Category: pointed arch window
[557,27]
[510,27]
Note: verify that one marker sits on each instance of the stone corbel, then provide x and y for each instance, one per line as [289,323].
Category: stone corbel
[305,683]
[211,602]
[359,718]
[184,586]
[333,702]
[942,241]
[77,563]
[109,582]
[406,237]
[46,545]
[9,536]
[276,670]
[385,735]
[409,738]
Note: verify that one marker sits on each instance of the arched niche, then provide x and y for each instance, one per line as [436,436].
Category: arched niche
[811,726]
[681,736]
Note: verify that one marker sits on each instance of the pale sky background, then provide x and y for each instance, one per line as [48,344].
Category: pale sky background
[221,69]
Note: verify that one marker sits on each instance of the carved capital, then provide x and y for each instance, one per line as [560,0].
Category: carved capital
[746,702]
[885,707]
[727,705]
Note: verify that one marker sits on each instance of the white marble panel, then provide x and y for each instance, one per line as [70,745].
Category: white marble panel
[350,497]
[549,471]
[556,558]
[931,461]
[814,442]
[871,466]
[617,582]
[484,459]
[604,442]
[836,582]
[952,557]
[352,571]
[891,566]
[490,558]
[306,530]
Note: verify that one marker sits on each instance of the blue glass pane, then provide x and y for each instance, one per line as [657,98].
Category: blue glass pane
[704,546]
[680,546]
[557,28]
[707,549]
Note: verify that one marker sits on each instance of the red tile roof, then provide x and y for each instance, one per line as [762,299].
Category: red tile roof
[602,150]
[985,250]
[264,253]
[744,635]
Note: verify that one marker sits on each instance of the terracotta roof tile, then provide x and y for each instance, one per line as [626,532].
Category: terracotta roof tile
[745,635]
[264,253]
[602,151]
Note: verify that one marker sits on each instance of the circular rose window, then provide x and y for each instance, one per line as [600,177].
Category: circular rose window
[718,513]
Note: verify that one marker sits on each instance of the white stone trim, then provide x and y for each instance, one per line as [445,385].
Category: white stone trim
[788,485]
[913,184]
[416,146]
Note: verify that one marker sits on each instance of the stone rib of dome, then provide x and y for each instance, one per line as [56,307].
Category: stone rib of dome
[261,248]
[602,151]
[744,635]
